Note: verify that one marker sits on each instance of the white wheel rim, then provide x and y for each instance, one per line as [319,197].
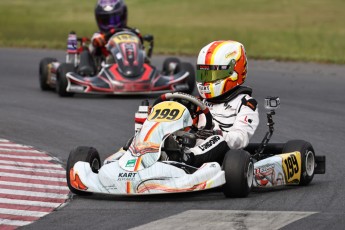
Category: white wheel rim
[309,163]
[250,174]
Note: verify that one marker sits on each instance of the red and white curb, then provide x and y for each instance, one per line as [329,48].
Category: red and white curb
[31,185]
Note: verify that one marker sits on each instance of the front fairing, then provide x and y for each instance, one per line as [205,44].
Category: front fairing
[128,53]
[165,118]
[138,171]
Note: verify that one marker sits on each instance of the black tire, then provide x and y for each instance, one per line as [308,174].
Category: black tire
[239,172]
[61,79]
[307,158]
[167,62]
[85,154]
[44,72]
[185,66]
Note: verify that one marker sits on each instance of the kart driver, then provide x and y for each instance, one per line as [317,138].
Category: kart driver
[221,71]
[111,17]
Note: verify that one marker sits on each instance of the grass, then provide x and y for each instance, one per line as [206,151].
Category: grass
[308,30]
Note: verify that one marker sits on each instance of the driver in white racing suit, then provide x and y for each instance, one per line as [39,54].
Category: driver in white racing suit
[221,71]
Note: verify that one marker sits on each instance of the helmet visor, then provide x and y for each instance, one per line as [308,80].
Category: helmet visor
[210,73]
[109,21]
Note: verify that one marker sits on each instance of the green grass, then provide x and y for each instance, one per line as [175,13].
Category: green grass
[307,30]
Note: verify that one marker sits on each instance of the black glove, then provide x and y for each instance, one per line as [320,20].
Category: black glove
[204,134]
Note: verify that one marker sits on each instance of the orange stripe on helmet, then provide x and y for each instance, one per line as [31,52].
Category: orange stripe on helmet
[210,51]
[241,67]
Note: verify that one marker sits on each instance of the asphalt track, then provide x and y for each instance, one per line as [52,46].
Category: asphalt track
[312,108]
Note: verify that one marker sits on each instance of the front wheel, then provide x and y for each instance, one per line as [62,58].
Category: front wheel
[44,71]
[84,154]
[61,81]
[239,172]
[307,158]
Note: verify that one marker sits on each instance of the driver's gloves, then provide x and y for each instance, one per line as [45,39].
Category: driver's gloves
[98,40]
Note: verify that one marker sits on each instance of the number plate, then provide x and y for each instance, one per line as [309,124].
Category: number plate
[126,38]
[167,111]
[292,166]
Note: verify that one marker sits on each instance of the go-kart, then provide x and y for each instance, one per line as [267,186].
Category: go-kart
[150,164]
[126,70]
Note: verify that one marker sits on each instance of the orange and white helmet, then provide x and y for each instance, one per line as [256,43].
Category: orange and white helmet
[221,66]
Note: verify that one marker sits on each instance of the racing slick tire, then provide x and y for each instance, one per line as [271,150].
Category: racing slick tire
[85,154]
[239,173]
[185,66]
[61,79]
[307,158]
[44,72]
[171,65]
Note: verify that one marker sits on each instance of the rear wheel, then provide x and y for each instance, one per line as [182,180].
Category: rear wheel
[185,66]
[61,80]
[171,65]
[44,72]
[307,158]
[239,172]
[84,154]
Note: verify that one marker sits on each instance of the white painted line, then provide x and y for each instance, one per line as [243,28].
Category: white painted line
[20,175]
[62,172]
[35,194]
[226,219]
[22,212]
[29,202]
[4,140]
[15,145]
[14,222]
[20,150]
[42,158]
[30,185]
[30,164]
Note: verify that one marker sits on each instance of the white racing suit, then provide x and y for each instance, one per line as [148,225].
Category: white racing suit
[237,117]
[235,114]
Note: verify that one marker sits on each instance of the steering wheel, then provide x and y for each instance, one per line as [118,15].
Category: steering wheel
[195,101]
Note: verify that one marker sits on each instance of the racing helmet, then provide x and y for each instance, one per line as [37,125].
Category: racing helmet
[221,66]
[110,14]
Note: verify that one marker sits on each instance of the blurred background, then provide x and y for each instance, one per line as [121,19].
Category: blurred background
[308,30]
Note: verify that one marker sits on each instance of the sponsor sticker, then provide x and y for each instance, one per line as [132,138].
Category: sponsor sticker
[126,176]
[76,88]
[204,88]
[209,143]
[131,163]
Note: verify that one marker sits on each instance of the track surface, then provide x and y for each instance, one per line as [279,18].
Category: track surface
[312,97]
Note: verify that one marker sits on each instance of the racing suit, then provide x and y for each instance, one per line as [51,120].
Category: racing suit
[236,115]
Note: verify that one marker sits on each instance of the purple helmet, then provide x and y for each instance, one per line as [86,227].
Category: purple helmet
[111,14]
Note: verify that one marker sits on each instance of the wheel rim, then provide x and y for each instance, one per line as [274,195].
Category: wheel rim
[309,163]
[250,174]
[95,165]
